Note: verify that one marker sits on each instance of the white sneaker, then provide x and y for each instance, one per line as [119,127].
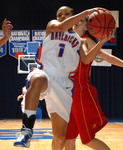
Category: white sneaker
[23,138]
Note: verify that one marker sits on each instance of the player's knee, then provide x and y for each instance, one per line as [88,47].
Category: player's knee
[59,137]
[40,82]
[60,140]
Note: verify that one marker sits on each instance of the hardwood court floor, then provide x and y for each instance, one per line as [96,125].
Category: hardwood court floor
[111,134]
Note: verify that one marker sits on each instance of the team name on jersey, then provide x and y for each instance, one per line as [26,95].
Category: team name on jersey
[64,37]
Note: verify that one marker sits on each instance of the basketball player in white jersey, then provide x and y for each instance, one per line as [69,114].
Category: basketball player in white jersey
[59,59]
[6,27]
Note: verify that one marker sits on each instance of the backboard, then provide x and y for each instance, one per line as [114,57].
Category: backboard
[26,63]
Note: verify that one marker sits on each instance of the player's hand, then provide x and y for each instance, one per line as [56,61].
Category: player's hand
[23,93]
[108,36]
[19,97]
[7,27]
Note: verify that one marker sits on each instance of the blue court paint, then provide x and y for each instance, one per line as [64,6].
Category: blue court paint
[10,134]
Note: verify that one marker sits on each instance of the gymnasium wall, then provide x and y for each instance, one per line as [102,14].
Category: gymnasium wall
[32,15]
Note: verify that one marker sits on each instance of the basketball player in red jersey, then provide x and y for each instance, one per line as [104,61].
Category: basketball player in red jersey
[86,116]
[6,27]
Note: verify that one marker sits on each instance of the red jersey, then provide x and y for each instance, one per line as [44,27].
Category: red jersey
[82,77]
[86,116]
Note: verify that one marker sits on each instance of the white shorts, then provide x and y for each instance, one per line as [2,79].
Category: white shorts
[58,96]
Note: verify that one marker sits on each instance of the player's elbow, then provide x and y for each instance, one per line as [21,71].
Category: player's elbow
[85,61]
[61,27]
[55,26]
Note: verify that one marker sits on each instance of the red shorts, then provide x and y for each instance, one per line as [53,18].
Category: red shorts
[86,115]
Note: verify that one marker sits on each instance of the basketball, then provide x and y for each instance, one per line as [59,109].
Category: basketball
[100,23]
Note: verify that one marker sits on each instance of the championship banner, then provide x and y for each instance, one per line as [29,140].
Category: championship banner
[37,39]
[3,47]
[38,35]
[18,42]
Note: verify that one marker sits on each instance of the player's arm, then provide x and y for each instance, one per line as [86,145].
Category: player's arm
[88,51]
[24,90]
[6,27]
[3,41]
[110,58]
[56,26]
[104,55]
[87,55]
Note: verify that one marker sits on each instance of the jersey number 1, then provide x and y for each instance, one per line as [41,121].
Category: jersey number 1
[61,50]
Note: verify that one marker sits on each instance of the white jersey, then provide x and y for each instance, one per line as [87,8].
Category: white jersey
[58,57]
[60,52]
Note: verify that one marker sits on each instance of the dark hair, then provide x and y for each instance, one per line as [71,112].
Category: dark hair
[71,9]
[92,37]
